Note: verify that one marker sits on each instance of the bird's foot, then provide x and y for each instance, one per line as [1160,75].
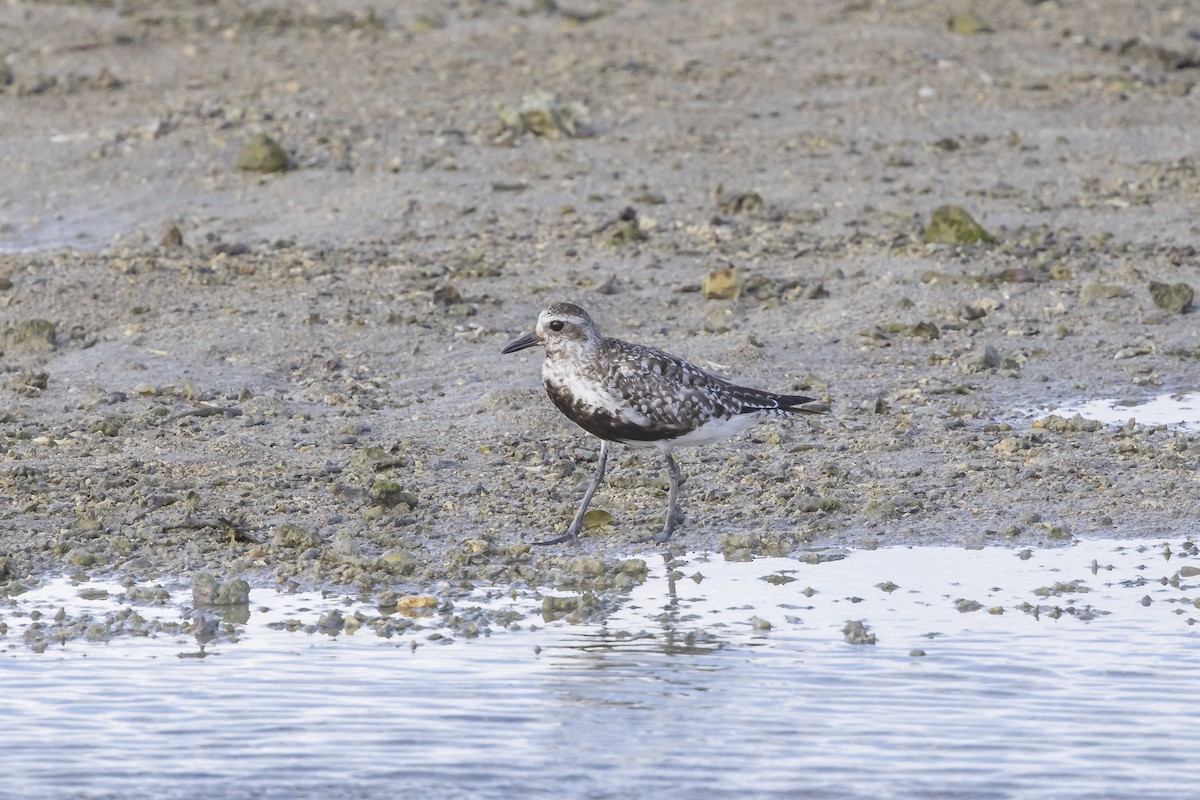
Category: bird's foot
[662,536]
[572,534]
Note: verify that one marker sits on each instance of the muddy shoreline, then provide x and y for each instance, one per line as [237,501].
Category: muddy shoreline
[307,385]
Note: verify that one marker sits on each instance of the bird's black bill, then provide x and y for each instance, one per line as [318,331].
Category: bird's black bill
[528,340]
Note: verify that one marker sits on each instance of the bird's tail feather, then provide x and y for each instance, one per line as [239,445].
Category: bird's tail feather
[799,404]
[782,404]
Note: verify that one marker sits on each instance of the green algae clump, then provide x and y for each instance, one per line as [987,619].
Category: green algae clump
[263,154]
[953,225]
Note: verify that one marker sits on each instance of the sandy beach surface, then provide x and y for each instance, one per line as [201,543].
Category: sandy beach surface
[296,375]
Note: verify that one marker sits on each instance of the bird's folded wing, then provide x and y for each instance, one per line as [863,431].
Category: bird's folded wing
[672,395]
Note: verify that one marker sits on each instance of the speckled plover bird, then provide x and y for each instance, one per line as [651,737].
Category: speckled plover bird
[639,396]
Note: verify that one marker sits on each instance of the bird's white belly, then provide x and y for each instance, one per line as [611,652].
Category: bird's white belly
[712,431]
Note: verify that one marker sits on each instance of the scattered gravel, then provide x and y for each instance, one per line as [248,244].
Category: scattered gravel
[300,380]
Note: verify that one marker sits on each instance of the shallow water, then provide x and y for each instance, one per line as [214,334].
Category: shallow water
[1084,687]
[1179,410]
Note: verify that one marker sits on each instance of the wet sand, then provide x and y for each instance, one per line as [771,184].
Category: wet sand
[309,388]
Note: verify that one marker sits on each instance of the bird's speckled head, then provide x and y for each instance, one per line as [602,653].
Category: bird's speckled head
[562,329]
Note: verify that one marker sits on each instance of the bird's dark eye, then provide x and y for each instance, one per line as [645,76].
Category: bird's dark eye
[557,325]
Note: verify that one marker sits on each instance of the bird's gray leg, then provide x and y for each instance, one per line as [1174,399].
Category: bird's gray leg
[577,523]
[673,512]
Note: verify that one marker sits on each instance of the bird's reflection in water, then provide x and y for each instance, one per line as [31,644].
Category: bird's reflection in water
[214,624]
[669,632]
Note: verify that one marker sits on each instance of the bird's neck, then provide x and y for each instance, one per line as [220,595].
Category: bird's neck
[574,351]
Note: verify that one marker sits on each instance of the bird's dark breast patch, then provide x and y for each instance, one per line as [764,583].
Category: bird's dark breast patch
[603,423]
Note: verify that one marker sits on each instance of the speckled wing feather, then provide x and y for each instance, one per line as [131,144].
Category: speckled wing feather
[671,396]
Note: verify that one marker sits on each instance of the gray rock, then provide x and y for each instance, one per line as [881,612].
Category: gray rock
[856,633]
[981,360]
[1174,298]
[209,590]
[1094,292]
[29,336]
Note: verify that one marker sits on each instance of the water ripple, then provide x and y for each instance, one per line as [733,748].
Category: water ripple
[680,693]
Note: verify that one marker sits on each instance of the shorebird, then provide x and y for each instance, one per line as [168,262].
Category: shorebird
[631,394]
